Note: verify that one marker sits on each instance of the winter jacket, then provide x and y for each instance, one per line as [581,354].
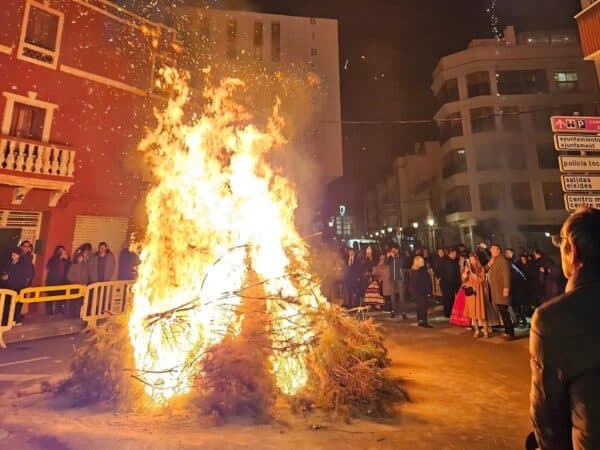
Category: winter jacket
[419,283]
[499,279]
[449,273]
[565,367]
[127,264]
[18,276]
[57,269]
[395,265]
[78,273]
[109,268]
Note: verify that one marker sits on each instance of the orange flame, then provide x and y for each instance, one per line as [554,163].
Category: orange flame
[215,192]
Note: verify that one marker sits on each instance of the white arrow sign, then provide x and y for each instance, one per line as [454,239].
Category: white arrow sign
[573,201]
[577,142]
[579,163]
[585,183]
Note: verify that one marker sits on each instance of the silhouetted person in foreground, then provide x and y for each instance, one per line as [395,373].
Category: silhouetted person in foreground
[565,343]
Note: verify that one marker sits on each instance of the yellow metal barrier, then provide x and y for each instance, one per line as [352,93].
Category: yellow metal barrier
[42,294]
[100,300]
[8,301]
[105,299]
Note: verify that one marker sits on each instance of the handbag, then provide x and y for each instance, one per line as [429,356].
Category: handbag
[469,291]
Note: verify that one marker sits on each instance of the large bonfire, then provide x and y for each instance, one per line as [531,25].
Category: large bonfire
[225,304]
[217,210]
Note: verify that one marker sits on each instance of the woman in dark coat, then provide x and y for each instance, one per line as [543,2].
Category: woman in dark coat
[57,268]
[420,288]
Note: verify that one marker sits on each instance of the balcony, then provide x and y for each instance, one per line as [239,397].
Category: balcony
[588,22]
[26,164]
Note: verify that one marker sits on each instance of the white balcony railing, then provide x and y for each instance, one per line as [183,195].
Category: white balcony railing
[27,156]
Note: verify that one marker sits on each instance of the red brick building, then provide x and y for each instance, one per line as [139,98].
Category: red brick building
[76,81]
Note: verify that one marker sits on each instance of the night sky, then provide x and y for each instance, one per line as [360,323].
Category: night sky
[401,42]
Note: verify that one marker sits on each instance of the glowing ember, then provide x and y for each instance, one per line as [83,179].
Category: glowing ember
[215,198]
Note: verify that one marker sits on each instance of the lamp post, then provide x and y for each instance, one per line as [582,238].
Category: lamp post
[431,223]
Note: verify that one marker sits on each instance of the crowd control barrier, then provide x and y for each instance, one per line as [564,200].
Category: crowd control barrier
[99,301]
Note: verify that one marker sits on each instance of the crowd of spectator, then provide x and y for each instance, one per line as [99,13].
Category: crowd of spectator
[480,289]
[84,267]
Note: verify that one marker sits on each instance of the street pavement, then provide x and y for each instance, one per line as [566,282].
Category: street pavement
[465,393]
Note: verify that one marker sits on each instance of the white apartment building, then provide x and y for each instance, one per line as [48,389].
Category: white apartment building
[499,169]
[300,44]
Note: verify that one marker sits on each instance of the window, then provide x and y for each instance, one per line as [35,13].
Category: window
[27,121]
[511,119]
[448,92]
[516,157]
[41,34]
[553,196]
[313,52]
[547,156]
[491,196]
[483,119]
[478,83]
[520,194]
[451,127]
[522,81]
[275,42]
[455,161]
[566,81]
[258,40]
[458,199]
[488,158]
[231,38]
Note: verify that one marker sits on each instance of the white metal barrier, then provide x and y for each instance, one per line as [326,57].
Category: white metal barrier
[105,299]
[8,301]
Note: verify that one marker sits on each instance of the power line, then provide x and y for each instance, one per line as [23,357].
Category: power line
[448,119]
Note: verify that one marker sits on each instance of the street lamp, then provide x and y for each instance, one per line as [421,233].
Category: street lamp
[382,232]
[415,225]
[430,222]
[547,234]
[390,229]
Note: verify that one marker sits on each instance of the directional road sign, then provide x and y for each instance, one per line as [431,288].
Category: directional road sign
[579,163]
[575,124]
[573,201]
[577,142]
[580,183]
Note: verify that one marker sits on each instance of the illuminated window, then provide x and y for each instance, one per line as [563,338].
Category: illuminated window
[41,34]
[566,81]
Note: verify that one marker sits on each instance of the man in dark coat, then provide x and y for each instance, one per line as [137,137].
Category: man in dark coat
[564,343]
[500,288]
[449,273]
[15,276]
[353,271]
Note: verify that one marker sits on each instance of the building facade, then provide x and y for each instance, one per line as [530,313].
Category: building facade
[588,22]
[76,93]
[407,202]
[298,47]
[499,170]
